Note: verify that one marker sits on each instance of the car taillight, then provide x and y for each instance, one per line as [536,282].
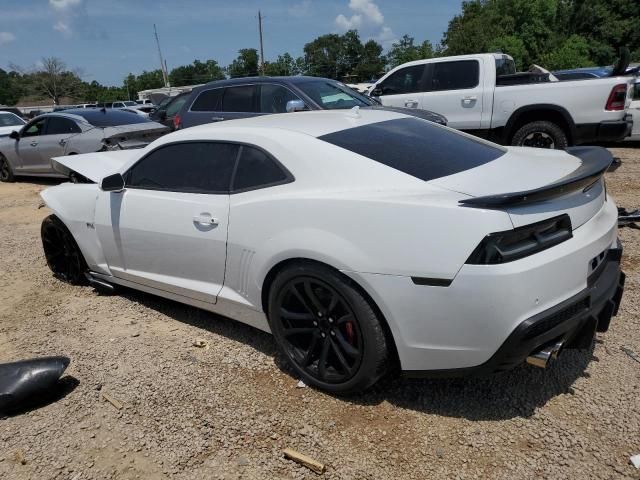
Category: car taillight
[617,97]
[177,121]
[503,247]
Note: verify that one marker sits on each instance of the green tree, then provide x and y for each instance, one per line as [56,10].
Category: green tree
[573,52]
[197,72]
[405,50]
[285,65]
[371,63]
[10,91]
[245,65]
[323,56]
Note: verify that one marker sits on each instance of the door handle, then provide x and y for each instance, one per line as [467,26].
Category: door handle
[217,119]
[62,142]
[205,220]
[34,144]
[411,104]
[470,98]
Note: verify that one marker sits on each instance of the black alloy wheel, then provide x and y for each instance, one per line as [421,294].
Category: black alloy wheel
[61,251]
[6,175]
[327,329]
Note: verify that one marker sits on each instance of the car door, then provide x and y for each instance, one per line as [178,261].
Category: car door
[168,228]
[27,147]
[403,88]
[454,89]
[56,136]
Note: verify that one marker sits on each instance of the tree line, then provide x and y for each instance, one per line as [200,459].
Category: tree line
[553,33]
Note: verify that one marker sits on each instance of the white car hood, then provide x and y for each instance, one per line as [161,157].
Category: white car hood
[94,166]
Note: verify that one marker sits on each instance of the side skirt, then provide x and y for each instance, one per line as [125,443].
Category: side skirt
[224,306]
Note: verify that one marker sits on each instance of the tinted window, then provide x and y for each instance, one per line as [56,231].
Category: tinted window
[636,92]
[108,118]
[61,126]
[239,99]
[256,169]
[194,167]
[405,80]
[331,95]
[455,75]
[416,147]
[175,106]
[208,101]
[10,120]
[34,130]
[274,98]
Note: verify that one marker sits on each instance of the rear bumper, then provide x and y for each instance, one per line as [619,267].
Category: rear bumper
[572,322]
[609,131]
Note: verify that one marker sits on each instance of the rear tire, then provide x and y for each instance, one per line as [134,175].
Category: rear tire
[327,330]
[62,252]
[540,134]
[6,174]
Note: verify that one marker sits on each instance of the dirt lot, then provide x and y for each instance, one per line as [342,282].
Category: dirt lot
[227,411]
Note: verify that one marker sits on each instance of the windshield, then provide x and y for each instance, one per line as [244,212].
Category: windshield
[10,120]
[332,95]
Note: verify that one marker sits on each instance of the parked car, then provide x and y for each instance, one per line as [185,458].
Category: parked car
[28,150]
[87,105]
[13,110]
[634,110]
[123,104]
[146,101]
[9,122]
[248,97]
[167,111]
[361,239]
[142,110]
[469,91]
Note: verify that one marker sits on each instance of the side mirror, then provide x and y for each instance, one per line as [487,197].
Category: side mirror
[162,115]
[295,106]
[112,183]
[377,91]
[15,135]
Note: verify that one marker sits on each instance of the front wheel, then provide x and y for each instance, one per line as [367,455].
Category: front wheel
[6,174]
[62,252]
[327,329]
[540,134]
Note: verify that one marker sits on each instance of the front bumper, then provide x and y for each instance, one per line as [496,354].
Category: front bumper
[610,131]
[572,323]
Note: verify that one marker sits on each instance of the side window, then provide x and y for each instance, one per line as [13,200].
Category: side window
[34,130]
[240,99]
[636,92]
[192,167]
[406,80]
[208,101]
[274,98]
[455,75]
[257,169]
[61,126]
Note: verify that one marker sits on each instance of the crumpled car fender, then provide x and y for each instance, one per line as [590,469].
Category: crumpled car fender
[29,381]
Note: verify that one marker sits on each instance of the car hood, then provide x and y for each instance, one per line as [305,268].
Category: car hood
[4,131]
[94,166]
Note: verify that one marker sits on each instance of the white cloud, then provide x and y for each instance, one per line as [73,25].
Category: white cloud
[300,9]
[6,37]
[368,19]
[62,27]
[64,4]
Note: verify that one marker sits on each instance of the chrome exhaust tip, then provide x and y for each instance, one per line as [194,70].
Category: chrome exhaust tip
[542,357]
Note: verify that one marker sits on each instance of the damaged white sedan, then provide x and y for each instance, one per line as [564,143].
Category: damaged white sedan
[365,241]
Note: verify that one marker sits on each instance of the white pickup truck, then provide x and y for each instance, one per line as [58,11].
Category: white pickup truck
[483,95]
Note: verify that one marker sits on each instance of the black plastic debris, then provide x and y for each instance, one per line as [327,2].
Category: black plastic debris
[628,219]
[29,381]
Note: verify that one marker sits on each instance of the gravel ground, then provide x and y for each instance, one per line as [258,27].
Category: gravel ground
[227,410]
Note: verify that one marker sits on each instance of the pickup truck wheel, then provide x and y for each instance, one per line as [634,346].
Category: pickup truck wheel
[540,134]
[6,175]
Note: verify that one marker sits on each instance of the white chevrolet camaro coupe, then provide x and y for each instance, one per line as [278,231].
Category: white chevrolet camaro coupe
[363,240]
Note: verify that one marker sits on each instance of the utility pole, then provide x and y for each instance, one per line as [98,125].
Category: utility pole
[163,64]
[261,44]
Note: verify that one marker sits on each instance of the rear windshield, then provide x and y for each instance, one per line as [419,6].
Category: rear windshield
[108,118]
[416,147]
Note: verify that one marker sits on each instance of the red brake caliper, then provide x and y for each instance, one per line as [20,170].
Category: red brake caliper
[349,331]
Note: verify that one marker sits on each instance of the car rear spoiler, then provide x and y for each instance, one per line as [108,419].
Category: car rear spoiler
[595,161]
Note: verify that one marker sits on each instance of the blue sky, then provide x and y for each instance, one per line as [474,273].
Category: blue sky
[106,39]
